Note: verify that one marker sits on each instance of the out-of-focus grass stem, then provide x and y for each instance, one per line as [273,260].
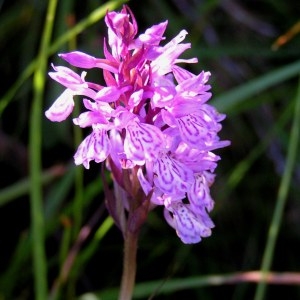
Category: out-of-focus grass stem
[281,199]
[35,137]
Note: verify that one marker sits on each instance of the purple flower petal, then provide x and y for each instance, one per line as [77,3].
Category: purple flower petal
[145,184]
[171,176]
[196,84]
[181,74]
[102,107]
[163,64]
[193,131]
[190,227]
[142,142]
[197,160]
[95,146]
[117,153]
[67,77]
[163,95]
[79,59]
[121,31]
[108,94]
[152,35]
[89,118]
[62,107]
[199,194]
[135,98]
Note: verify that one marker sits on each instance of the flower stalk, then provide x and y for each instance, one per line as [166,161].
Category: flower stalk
[129,265]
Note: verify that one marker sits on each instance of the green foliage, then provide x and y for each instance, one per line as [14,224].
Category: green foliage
[57,240]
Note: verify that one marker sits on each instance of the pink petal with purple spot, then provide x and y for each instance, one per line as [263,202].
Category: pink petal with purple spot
[199,194]
[95,146]
[171,176]
[189,226]
[142,142]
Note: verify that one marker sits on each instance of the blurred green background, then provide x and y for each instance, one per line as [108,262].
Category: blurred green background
[45,199]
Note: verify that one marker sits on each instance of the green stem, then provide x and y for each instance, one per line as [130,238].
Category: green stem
[129,266]
[281,200]
[35,137]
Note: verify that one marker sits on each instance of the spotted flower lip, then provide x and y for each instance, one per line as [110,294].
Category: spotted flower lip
[151,116]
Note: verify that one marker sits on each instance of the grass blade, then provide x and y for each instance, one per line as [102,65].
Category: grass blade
[281,198]
[35,137]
